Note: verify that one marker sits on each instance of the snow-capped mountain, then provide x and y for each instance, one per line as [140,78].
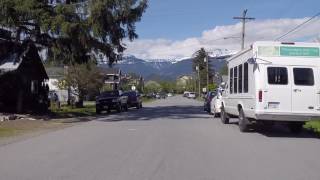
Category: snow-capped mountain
[168,69]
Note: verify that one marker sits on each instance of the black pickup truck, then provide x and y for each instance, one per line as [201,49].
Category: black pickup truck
[110,100]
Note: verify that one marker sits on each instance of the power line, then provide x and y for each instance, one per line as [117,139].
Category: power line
[297,27]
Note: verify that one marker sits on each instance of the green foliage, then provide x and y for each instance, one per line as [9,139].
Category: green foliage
[151,87]
[212,87]
[313,126]
[68,111]
[83,79]
[168,86]
[73,28]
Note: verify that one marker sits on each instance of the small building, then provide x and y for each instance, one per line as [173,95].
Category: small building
[22,78]
[112,77]
[184,80]
[55,74]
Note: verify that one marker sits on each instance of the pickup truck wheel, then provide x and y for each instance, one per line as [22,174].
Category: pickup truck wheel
[243,121]
[224,117]
[138,106]
[126,107]
[295,127]
[98,111]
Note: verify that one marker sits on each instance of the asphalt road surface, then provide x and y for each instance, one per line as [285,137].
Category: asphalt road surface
[170,139]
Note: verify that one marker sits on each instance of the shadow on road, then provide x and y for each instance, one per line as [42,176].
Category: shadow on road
[159,113]
[281,131]
[277,131]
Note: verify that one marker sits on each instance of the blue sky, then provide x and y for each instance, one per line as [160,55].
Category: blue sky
[177,28]
[179,19]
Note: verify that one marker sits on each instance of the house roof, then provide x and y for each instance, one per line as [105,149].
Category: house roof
[12,55]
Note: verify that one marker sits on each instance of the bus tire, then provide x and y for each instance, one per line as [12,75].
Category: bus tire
[223,116]
[243,121]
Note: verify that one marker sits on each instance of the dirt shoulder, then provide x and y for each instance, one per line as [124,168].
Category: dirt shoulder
[20,129]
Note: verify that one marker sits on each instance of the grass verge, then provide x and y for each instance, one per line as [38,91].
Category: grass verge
[148,100]
[313,126]
[23,126]
[69,112]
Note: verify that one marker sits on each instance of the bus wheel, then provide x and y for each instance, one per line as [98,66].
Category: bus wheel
[243,121]
[224,117]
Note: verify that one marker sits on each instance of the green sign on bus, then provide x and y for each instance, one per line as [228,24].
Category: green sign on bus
[275,51]
[299,51]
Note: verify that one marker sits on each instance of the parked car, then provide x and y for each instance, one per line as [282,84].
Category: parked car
[186,93]
[207,101]
[191,95]
[215,104]
[134,99]
[170,95]
[110,100]
[161,95]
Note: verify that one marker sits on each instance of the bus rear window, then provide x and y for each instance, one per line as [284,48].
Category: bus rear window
[277,75]
[303,76]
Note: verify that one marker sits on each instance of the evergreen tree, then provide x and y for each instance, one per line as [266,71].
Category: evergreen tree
[72,29]
[199,60]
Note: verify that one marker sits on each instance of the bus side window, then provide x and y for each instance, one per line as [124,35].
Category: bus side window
[277,75]
[240,85]
[231,80]
[235,79]
[245,78]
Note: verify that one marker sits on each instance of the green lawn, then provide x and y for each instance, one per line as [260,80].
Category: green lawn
[313,125]
[6,131]
[88,110]
[69,112]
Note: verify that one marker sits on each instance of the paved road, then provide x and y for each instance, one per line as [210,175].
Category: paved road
[169,139]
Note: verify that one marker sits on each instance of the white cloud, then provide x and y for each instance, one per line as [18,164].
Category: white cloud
[215,38]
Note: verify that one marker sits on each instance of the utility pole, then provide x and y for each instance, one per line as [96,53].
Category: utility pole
[198,69]
[206,60]
[243,19]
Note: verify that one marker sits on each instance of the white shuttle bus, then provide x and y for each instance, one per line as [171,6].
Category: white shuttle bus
[273,82]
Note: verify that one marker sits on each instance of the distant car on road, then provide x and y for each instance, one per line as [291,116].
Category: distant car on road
[170,95]
[110,100]
[191,95]
[134,99]
[186,93]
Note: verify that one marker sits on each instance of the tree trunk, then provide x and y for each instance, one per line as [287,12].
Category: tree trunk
[80,100]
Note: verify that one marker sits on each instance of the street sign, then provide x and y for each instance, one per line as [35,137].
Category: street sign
[204,90]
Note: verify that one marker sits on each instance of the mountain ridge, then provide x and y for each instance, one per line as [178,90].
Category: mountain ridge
[164,69]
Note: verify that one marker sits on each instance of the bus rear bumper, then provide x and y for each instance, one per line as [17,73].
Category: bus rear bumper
[298,117]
